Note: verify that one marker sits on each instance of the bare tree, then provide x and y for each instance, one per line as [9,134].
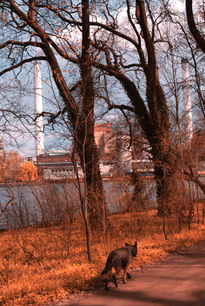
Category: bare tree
[148,103]
[142,31]
[30,25]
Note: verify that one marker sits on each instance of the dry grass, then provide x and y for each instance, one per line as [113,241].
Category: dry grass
[41,265]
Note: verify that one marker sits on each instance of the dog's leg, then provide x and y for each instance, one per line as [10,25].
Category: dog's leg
[106,285]
[116,276]
[128,275]
[106,282]
[124,276]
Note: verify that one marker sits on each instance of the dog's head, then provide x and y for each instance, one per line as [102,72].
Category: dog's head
[133,248]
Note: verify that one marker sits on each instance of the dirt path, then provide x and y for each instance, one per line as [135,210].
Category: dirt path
[177,280]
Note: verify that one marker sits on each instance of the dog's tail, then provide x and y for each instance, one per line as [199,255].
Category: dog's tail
[108,266]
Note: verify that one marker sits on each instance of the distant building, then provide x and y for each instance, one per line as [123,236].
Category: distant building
[58,166]
[104,138]
[114,152]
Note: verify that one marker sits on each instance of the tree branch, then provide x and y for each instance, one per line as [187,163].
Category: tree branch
[21,63]
[192,26]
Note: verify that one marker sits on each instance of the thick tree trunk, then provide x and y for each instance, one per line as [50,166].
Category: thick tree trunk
[165,173]
[165,168]
[86,142]
[156,127]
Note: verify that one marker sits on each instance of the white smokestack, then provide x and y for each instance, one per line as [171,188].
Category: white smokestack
[38,110]
[187,99]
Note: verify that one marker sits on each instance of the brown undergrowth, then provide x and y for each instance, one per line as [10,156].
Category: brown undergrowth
[39,265]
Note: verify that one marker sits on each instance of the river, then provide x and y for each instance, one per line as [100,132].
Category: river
[50,202]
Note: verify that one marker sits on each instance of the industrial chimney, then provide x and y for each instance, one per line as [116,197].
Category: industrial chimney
[187,100]
[39,137]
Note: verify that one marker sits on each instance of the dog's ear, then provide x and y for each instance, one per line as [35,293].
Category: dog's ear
[135,244]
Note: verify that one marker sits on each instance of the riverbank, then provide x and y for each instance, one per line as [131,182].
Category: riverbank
[41,181]
[40,265]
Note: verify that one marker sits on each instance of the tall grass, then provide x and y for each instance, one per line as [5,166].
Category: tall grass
[38,265]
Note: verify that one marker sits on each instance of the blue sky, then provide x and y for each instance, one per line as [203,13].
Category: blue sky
[50,97]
